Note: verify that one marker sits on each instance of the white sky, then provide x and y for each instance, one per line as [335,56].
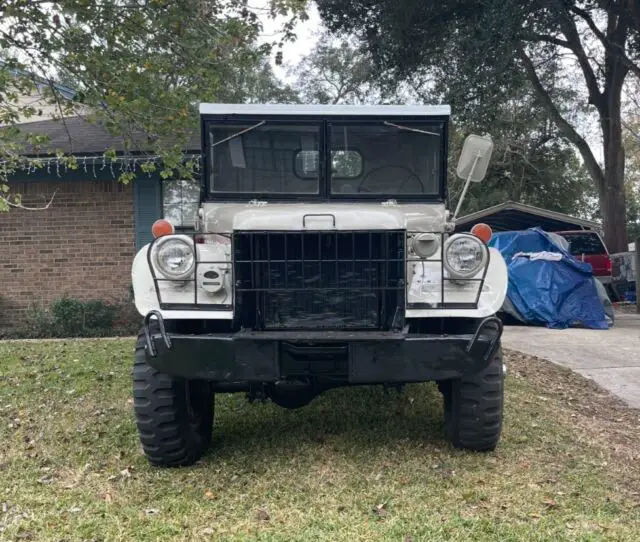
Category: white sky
[293,52]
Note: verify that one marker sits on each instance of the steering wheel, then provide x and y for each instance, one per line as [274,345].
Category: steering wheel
[412,176]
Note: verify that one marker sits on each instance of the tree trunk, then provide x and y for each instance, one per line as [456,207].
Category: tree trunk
[613,206]
[612,196]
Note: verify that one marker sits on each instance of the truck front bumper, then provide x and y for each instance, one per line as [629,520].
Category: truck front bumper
[353,357]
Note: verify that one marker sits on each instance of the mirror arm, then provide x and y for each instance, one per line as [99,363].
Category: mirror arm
[466,185]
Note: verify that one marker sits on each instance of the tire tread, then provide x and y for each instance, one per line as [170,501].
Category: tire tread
[474,407]
[167,435]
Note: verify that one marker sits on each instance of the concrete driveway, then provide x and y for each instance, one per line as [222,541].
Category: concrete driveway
[611,357]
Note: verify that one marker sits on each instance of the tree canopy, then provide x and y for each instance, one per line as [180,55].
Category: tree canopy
[587,45]
[140,67]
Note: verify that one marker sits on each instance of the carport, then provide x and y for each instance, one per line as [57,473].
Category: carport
[512,216]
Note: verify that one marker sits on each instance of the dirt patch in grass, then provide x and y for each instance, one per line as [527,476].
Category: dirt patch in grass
[356,464]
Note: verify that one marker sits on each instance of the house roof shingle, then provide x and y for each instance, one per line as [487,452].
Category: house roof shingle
[76,135]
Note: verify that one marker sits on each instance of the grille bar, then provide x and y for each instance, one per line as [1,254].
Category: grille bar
[319,279]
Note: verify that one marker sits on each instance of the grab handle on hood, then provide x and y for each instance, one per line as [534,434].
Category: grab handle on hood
[318,215]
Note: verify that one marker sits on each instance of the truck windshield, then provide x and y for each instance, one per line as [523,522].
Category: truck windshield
[378,158]
[392,158]
[259,158]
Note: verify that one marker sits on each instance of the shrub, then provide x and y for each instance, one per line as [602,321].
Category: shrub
[68,317]
[99,316]
[38,324]
[128,320]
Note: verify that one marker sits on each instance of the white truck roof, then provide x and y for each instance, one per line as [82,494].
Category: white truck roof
[326,110]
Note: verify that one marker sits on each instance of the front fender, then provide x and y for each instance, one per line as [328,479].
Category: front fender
[146,295]
[494,292]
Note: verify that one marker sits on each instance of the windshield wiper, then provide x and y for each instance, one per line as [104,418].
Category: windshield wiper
[399,127]
[238,134]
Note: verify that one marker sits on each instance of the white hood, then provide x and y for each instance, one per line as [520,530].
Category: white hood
[227,217]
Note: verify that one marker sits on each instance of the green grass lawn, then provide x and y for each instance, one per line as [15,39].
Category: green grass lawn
[354,465]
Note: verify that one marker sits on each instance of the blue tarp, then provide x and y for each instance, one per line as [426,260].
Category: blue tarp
[558,294]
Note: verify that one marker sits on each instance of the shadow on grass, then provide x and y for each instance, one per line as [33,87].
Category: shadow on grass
[353,420]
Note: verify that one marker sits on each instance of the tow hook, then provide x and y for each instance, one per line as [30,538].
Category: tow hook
[150,347]
[490,321]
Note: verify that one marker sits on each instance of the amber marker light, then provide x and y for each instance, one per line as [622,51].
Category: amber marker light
[161,228]
[483,232]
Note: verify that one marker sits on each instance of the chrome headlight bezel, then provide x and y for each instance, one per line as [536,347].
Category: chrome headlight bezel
[162,242]
[481,251]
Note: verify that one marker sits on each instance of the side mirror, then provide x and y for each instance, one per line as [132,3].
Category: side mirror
[475,157]
[473,163]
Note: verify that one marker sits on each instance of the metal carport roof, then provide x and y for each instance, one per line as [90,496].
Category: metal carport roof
[510,216]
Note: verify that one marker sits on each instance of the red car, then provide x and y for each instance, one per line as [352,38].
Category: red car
[587,246]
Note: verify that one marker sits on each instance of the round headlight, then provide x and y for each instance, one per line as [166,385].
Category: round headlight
[425,245]
[464,256]
[174,257]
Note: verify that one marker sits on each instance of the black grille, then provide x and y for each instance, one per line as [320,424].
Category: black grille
[320,279]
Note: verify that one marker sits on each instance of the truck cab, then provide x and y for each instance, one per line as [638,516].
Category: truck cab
[323,256]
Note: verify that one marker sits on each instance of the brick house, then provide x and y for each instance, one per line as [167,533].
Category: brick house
[82,246]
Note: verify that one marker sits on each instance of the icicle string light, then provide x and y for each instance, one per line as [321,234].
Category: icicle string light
[125,163]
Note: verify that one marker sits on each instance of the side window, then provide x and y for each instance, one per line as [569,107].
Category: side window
[180,201]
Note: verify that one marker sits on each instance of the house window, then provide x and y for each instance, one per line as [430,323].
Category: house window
[180,201]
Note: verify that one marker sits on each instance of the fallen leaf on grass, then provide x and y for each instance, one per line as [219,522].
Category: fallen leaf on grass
[262,515]
[380,510]
[550,503]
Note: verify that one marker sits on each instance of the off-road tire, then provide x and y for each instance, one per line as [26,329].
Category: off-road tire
[174,415]
[473,407]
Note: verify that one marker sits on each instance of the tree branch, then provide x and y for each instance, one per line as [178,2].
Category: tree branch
[546,38]
[25,208]
[584,15]
[569,131]
[569,29]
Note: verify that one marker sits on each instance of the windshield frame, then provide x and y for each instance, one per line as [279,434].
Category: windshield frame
[324,122]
